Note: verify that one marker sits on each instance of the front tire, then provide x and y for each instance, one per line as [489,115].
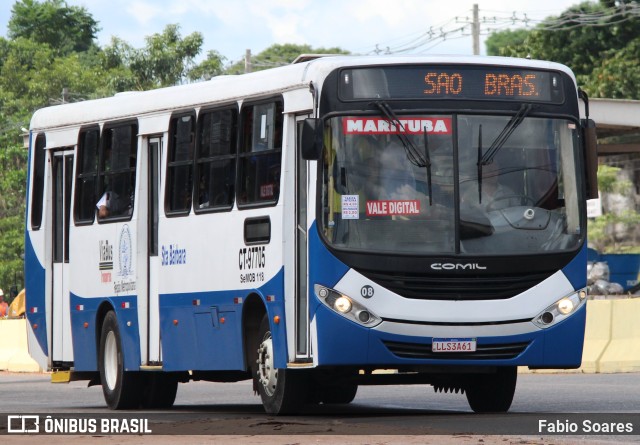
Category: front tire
[283,391]
[492,393]
[340,394]
[121,388]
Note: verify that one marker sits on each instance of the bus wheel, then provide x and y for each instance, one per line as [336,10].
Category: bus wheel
[338,394]
[121,389]
[159,390]
[282,391]
[492,393]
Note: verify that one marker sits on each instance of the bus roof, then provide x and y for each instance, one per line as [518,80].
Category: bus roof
[227,89]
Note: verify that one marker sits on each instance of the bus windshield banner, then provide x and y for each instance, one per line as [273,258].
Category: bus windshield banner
[458,83]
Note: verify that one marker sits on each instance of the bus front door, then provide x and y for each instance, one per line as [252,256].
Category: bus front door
[303,352]
[62,179]
[154,261]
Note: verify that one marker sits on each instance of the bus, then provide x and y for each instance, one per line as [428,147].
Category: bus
[310,225]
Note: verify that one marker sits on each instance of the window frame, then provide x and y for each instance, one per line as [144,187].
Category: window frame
[81,174]
[38,176]
[103,173]
[243,155]
[168,211]
[232,156]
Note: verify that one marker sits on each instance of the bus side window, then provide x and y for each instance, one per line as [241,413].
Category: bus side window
[260,153]
[87,175]
[117,171]
[180,164]
[216,159]
[37,191]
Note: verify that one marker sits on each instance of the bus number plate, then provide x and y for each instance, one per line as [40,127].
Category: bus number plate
[453,345]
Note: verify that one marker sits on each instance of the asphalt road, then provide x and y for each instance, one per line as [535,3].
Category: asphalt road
[231,408]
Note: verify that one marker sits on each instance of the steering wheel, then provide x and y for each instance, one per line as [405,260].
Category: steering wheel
[524,200]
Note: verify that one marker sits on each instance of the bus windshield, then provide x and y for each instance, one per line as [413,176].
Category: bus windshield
[451,184]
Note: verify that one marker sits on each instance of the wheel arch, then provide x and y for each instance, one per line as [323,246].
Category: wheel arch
[253,310]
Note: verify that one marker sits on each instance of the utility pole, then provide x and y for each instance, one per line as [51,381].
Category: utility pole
[475,31]
[247,61]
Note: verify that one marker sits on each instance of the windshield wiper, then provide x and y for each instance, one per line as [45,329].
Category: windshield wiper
[505,134]
[428,164]
[414,156]
[496,145]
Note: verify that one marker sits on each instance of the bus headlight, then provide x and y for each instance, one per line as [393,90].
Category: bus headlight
[560,310]
[346,306]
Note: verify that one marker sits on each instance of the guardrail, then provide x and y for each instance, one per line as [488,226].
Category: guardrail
[611,344]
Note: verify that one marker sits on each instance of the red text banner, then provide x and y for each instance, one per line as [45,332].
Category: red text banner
[408,125]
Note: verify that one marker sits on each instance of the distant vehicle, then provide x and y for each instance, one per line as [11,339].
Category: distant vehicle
[307,225]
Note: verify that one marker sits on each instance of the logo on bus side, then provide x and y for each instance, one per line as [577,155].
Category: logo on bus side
[125,263]
[106,260]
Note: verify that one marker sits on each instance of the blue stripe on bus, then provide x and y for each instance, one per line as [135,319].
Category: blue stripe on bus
[324,267]
[194,337]
[34,291]
[576,270]
[85,339]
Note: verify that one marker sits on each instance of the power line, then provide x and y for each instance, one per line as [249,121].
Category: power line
[462,26]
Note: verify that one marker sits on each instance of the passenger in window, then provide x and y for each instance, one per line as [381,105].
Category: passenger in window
[112,204]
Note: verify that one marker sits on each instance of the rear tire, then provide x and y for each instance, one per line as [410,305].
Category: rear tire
[283,391]
[159,390]
[121,389]
[492,393]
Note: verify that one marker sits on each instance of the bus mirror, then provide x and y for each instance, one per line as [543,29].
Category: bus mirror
[591,157]
[311,148]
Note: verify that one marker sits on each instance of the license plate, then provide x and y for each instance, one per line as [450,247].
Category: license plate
[453,345]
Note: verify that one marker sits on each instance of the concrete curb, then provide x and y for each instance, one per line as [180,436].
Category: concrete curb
[14,352]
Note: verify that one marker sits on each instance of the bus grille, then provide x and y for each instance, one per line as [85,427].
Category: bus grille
[483,352]
[456,288]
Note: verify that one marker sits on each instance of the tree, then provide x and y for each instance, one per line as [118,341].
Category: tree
[13,179]
[166,60]
[499,42]
[64,28]
[212,66]
[279,55]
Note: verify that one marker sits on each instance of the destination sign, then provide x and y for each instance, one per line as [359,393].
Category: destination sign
[465,82]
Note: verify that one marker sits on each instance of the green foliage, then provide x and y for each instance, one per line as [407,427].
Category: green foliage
[608,181]
[166,60]
[63,28]
[602,230]
[617,75]
[500,43]
[13,181]
[279,55]
[212,66]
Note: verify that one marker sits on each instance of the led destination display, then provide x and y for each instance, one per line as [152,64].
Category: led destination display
[461,83]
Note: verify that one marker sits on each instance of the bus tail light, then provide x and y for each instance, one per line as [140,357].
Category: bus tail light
[347,307]
[560,310]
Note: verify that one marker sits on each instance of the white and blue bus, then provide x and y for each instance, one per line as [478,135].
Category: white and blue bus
[308,225]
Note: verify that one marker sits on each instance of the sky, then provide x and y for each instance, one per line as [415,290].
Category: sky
[360,26]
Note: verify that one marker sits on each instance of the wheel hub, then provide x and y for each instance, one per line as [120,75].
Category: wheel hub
[111,360]
[267,373]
